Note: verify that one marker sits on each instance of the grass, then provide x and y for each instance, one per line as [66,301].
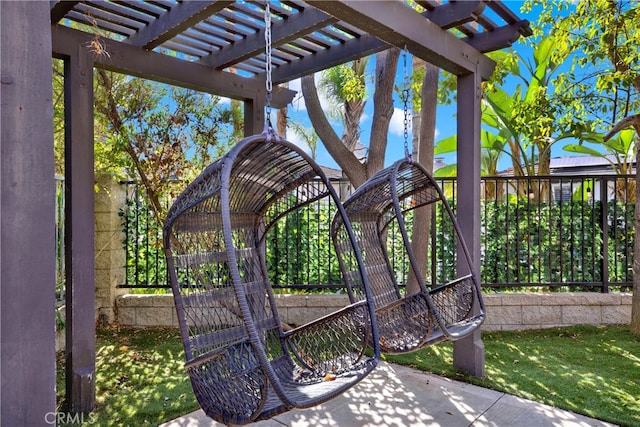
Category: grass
[594,371]
[140,379]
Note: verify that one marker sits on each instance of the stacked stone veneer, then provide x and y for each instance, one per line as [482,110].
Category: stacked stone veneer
[546,310]
[110,255]
[504,311]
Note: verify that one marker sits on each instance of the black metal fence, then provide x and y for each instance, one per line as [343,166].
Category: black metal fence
[60,265]
[146,267]
[557,232]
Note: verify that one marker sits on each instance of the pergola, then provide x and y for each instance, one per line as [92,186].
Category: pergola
[210,46]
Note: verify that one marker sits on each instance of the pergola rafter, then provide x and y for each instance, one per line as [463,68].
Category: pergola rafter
[227,34]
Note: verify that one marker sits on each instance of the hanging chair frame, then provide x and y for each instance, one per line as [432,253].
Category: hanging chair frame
[244,363]
[408,322]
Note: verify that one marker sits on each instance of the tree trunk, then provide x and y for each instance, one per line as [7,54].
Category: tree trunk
[633,121]
[426,138]
[281,119]
[111,111]
[347,161]
[542,190]
[353,111]
[386,66]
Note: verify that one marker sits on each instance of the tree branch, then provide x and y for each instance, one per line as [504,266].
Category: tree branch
[117,123]
[386,65]
[627,122]
[347,160]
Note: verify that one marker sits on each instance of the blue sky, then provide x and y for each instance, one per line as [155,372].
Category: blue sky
[445,119]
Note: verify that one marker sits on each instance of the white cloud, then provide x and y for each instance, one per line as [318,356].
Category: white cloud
[298,100]
[295,85]
[296,140]
[396,126]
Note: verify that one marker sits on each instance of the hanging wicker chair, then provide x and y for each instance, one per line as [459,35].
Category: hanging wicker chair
[448,304]
[243,362]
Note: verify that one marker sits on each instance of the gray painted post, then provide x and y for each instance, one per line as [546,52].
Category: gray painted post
[468,353]
[27,212]
[254,116]
[79,244]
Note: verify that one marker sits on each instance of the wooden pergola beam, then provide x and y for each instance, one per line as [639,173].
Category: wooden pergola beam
[396,24]
[79,233]
[497,39]
[27,211]
[281,33]
[455,13]
[60,8]
[357,48]
[131,60]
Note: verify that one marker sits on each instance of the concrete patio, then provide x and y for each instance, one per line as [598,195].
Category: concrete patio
[399,396]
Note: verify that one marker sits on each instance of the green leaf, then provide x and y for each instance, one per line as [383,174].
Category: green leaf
[543,50]
[575,148]
[491,141]
[446,171]
[500,101]
[446,145]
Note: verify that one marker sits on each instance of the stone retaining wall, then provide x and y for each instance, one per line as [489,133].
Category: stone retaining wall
[536,311]
[504,311]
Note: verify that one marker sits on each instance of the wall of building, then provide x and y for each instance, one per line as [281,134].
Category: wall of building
[512,311]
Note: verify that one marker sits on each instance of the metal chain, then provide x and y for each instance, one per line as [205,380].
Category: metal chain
[268,65]
[406,91]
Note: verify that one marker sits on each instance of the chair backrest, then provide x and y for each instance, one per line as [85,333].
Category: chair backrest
[383,212]
[215,239]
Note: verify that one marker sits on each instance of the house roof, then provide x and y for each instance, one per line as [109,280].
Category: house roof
[580,161]
[576,164]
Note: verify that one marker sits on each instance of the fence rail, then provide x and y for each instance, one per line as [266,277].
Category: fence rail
[574,232]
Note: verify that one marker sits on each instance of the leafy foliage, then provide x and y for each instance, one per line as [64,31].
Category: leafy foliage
[146,265]
[157,132]
[523,241]
[300,250]
[600,42]
[528,242]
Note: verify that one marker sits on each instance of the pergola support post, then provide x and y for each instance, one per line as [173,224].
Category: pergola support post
[27,216]
[80,236]
[254,116]
[468,353]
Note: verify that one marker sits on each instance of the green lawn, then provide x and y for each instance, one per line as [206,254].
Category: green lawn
[590,370]
[140,379]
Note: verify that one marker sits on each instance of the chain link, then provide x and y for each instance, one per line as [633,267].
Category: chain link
[406,93]
[268,65]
